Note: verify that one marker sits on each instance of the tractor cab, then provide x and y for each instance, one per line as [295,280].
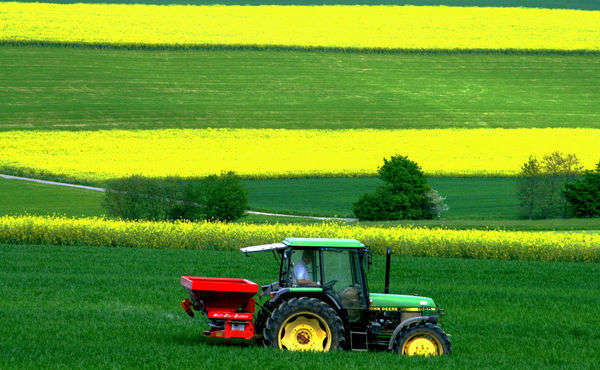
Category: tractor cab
[330,268]
[333,267]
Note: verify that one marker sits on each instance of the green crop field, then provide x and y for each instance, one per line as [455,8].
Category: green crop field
[584,225]
[562,4]
[21,197]
[588,225]
[467,197]
[100,307]
[87,88]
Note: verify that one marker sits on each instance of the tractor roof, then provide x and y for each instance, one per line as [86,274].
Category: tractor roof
[323,242]
[306,243]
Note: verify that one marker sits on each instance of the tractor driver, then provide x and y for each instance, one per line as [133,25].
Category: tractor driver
[301,269]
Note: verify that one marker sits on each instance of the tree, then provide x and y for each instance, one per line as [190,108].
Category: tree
[558,170]
[405,194]
[529,187]
[583,195]
[541,183]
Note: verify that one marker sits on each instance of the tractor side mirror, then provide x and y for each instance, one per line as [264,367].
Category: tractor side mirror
[369,260]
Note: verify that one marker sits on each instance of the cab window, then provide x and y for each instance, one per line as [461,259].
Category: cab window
[305,269]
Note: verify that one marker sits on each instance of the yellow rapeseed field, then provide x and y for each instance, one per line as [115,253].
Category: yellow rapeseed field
[280,152]
[541,246]
[394,27]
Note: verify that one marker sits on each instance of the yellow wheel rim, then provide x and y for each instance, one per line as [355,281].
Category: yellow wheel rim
[305,331]
[421,345]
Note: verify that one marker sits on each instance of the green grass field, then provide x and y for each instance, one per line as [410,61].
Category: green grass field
[562,4]
[86,88]
[100,307]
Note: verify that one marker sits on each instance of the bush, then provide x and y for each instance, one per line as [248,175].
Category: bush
[583,195]
[382,205]
[437,203]
[403,196]
[221,198]
[136,198]
[215,198]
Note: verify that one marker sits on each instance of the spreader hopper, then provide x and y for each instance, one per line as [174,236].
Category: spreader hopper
[227,303]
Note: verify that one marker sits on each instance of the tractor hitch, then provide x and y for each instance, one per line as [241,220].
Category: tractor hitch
[187,307]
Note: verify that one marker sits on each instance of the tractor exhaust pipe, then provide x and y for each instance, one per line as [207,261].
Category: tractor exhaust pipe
[388,257]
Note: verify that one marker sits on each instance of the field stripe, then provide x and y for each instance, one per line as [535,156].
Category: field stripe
[267,153]
[412,241]
[546,4]
[382,27]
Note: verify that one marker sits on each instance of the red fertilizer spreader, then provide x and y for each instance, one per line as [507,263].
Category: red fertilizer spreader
[227,303]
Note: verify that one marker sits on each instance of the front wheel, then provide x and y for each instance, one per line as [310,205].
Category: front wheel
[304,324]
[423,340]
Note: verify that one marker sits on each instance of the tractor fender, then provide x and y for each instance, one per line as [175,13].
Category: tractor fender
[433,319]
[280,293]
[285,293]
[331,300]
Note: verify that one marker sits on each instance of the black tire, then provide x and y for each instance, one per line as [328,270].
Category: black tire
[289,314]
[406,343]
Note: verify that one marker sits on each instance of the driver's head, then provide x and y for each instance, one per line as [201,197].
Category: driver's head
[308,256]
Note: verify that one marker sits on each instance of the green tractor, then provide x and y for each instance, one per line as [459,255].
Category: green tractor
[321,302]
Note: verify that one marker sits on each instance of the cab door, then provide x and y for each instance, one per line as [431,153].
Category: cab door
[342,275]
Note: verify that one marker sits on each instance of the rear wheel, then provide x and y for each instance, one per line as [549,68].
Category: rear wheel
[423,340]
[304,324]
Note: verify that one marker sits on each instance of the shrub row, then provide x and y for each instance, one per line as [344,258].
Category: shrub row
[214,198]
[505,245]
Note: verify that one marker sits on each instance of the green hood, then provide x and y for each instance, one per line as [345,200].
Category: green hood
[397,300]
